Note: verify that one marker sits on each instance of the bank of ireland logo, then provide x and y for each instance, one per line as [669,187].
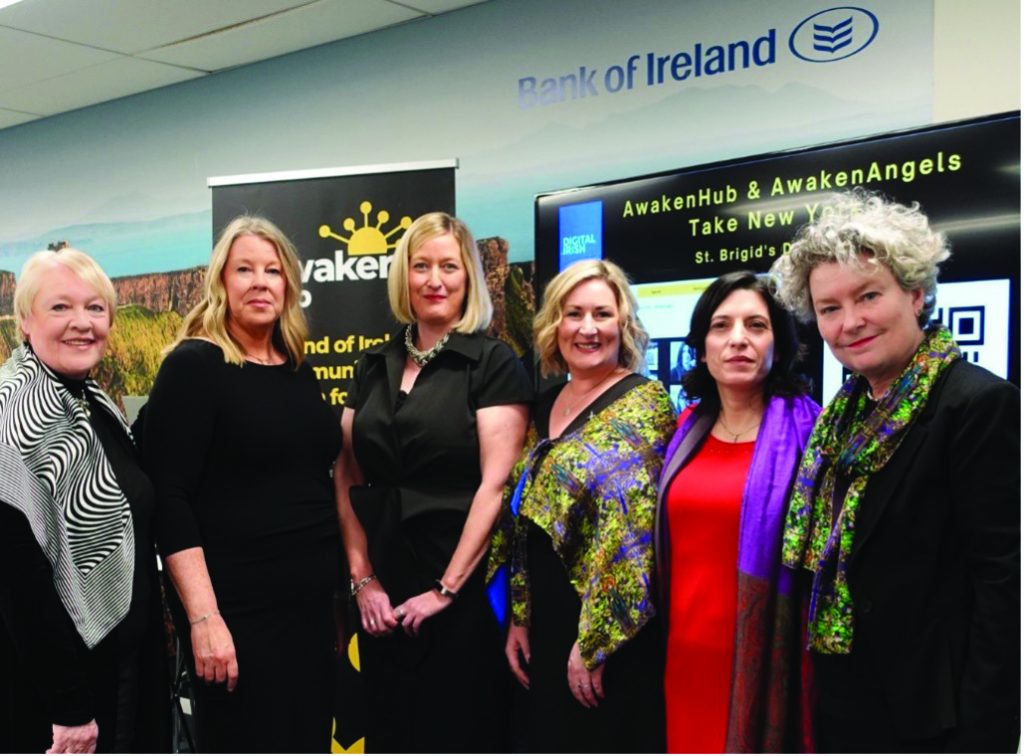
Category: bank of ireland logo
[833,34]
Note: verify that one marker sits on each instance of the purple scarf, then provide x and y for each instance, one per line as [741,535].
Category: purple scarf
[767,660]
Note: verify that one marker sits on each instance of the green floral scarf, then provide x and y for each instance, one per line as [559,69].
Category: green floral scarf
[848,445]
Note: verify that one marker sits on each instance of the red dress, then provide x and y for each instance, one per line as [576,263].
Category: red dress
[703,504]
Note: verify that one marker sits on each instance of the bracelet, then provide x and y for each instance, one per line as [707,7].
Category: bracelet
[444,590]
[355,587]
[214,613]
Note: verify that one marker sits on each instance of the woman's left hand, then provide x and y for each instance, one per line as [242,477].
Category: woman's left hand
[413,611]
[585,684]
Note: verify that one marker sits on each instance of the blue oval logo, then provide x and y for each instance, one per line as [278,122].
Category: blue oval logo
[833,34]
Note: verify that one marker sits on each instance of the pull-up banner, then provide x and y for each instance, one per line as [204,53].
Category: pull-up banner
[345,223]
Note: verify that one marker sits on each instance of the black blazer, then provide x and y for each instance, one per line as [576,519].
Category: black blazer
[935,569]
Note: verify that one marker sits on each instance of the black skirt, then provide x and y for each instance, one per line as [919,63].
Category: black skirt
[631,717]
[286,673]
[447,689]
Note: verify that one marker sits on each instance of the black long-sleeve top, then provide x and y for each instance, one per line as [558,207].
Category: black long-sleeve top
[241,459]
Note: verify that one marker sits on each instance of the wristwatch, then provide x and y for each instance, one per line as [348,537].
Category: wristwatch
[445,591]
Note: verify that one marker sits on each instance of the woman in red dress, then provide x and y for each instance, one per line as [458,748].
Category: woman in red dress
[733,667]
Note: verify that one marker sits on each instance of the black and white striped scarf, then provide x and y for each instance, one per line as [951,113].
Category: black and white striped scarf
[53,469]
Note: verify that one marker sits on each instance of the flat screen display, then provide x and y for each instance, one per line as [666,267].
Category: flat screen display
[674,232]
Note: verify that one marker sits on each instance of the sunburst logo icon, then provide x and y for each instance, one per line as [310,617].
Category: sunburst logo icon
[367,239]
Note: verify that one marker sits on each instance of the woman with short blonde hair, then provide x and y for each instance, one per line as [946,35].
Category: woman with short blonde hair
[432,424]
[477,308]
[34,275]
[81,631]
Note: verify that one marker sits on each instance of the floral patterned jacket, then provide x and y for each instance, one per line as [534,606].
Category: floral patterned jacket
[594,494]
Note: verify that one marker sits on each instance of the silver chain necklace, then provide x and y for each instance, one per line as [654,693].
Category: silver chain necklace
[419,356]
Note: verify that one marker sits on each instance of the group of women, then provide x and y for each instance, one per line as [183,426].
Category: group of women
[751,576]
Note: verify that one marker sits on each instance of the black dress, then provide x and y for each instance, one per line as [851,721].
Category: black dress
[445,690]
[631,716]
[241,459]
[49,676]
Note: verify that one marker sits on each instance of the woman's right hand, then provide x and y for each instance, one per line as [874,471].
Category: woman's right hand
[214,651]
[375,610]
[78,739]
[517,650]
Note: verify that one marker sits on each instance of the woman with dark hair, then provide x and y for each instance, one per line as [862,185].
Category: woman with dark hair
[732,674]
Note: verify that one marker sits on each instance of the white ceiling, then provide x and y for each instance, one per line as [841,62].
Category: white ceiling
[59,55]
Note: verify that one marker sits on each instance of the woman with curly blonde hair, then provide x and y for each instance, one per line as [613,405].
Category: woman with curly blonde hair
[906,507]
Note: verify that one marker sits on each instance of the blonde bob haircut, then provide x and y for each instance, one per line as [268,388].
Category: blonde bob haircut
[633,347]
[476,308]
[209,319]
[33,275]
[863,229]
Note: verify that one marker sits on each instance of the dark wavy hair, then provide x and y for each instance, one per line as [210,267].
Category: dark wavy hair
[783,378]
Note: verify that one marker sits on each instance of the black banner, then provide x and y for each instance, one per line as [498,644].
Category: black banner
[345,228]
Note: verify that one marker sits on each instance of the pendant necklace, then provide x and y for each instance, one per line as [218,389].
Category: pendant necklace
[736,436]
[420,356]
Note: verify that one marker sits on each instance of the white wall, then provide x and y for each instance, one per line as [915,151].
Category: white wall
[126,180]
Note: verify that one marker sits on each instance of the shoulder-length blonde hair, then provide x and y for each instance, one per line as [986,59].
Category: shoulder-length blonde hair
[545,325]
[208,319]
[33,273]
[477,308]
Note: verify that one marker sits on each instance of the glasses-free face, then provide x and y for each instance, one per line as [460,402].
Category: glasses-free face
[867,319]
[437,282]
[68,324]
[589,335]
[739,349]
[255,284]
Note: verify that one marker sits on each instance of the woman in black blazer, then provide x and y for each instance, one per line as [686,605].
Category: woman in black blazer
[906,507]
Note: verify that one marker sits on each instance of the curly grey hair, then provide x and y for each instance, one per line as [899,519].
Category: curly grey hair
[856,224]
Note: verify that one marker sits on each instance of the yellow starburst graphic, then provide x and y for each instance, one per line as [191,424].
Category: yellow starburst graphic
[367,239]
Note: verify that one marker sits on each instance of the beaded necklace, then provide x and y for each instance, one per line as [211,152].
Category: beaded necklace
[419,356]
